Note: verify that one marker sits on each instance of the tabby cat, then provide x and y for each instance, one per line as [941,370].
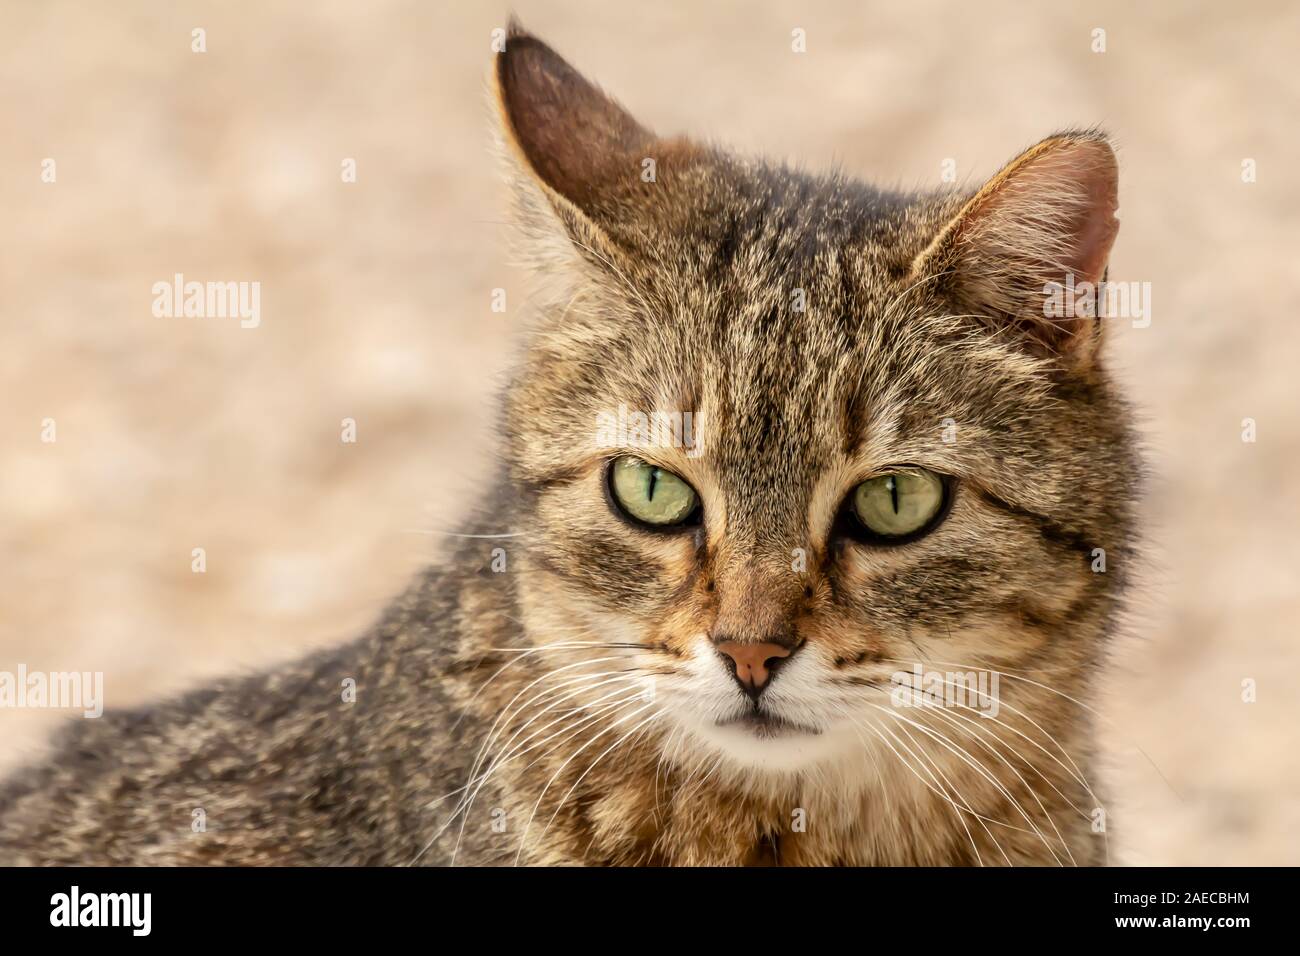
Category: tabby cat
[782,448]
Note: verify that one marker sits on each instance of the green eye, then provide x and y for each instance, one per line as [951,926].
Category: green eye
[649,494]
[899,503]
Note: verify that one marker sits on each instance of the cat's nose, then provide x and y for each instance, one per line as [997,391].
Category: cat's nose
[753,664]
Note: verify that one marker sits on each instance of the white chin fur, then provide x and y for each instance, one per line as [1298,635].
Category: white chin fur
[710,694]
[787,753]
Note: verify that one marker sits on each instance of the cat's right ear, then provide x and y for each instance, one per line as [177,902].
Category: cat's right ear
[574,153]
[1023,249]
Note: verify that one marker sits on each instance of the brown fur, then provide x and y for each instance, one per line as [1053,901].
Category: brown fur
[678,293]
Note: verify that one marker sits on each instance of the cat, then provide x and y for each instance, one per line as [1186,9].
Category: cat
[903,472]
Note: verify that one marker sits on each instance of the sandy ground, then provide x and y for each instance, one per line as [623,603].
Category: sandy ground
[177,433]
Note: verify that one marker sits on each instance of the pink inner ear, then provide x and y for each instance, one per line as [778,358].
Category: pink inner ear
[1049,214]
[1045,222]
[1095,225]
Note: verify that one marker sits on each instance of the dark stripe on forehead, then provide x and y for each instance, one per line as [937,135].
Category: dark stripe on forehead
[726,244]
[852,417]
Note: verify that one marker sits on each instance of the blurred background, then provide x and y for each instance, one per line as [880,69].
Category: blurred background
[226,165]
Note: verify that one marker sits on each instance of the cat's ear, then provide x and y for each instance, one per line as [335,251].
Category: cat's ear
[576,150]
[1031,246]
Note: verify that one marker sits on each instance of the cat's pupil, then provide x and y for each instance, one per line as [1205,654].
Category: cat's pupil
[650,487]
[892,484]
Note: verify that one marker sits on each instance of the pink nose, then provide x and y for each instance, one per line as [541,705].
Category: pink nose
[752,664]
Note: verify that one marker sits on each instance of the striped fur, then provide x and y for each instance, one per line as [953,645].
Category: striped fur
[565,709]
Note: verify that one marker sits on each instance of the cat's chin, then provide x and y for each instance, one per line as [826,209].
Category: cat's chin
[773,745]
[768,726]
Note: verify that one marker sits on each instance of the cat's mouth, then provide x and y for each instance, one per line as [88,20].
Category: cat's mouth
[765,724]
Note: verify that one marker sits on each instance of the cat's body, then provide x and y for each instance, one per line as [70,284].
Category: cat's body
[283,771]
[820,330]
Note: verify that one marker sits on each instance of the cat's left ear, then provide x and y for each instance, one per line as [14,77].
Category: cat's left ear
[1030,247]
[575,150]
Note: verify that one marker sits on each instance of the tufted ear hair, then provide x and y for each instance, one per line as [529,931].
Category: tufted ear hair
[1031,246]
[577,155]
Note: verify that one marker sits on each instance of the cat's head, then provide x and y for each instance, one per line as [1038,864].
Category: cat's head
[788,434]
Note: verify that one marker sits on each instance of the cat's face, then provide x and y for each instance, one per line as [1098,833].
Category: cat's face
[788,437]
